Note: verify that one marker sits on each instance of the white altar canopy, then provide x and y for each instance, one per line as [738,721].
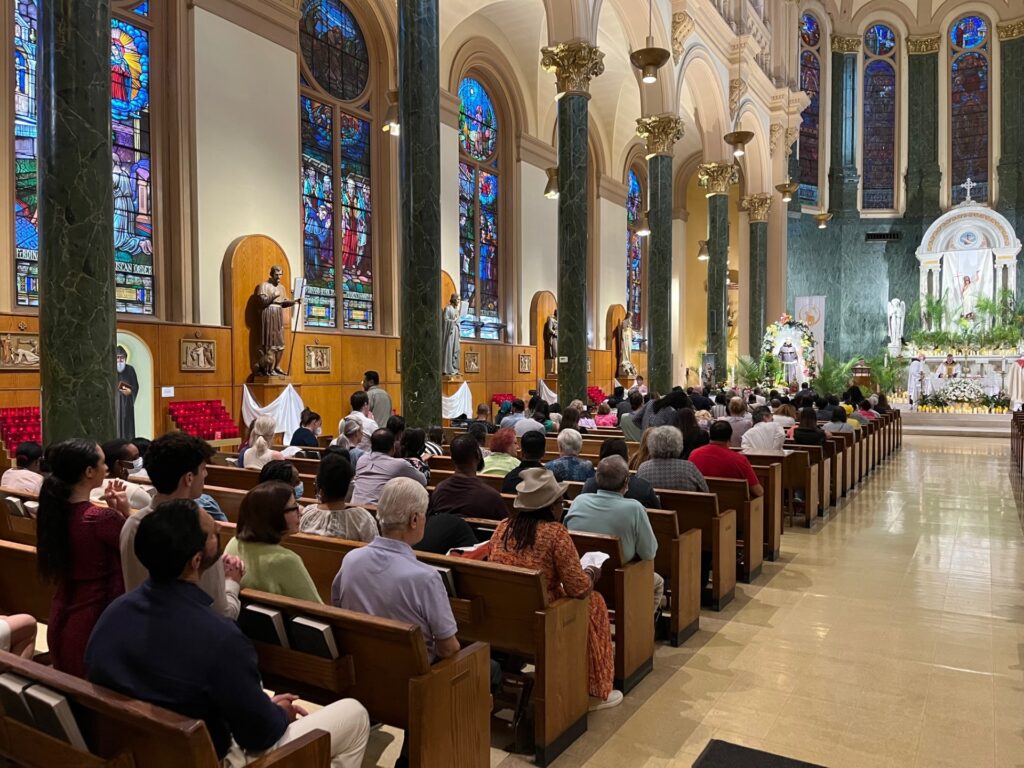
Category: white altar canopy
[968,253]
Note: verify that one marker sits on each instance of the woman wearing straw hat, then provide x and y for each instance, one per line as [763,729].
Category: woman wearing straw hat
[533,537]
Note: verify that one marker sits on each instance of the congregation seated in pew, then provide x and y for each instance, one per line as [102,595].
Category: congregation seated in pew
[269,512]
[196,662]
[413,448]
[694,435]
[738,417]
[638,489]
[664,469]
[532,447]
[807,431]
[502,458]
[26,475]
[464,494]
[350,436]
[283,471]
[176,464]
[717,459]
[122,458]
[607,511]
[261,437]
[310,425]
[765,434]
[838,423]
[569,466]
[361,414]
[378,466]
[331,516]
[533,537]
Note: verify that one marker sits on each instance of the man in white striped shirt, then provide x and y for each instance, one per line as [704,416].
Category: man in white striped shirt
[765,435]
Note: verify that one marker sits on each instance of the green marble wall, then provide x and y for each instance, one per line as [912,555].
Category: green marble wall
[758,280]
[76,237]
[718,280]
[1011,162]
[659,274]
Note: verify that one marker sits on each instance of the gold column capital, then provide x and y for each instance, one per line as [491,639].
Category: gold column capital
[926,44]
[846,43]
[716,178]
[574,64]
[1011,30]
[661,132]
[757,206]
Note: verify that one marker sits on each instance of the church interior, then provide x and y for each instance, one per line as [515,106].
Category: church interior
[792,217]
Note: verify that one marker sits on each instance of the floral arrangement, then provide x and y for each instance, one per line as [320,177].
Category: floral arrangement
[787,322]
[596,395]
[505,397]
[964,397]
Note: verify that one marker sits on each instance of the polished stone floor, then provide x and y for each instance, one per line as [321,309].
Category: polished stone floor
[892,635]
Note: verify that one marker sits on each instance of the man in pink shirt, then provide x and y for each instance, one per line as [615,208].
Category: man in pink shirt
[717,460]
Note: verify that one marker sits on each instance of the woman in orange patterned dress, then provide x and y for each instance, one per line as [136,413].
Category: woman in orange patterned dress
[533,537]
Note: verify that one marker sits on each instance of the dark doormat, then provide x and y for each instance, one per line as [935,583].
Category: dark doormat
[722,754]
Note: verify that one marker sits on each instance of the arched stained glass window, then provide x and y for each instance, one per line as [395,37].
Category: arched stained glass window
[131,160]
[879,121]
[336,127]
[810,122]
[479,246]
[634,256]
[969,52]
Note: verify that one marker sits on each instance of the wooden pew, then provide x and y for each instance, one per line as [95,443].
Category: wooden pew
[770,476]
[123,732]
[735,494]
[242,479]
[820,463]
[506,607]
[797,474]
[678,562]
[443,707]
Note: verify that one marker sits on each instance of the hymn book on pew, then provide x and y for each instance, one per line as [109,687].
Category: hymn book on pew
[15,506]
[52,714]
[595,559]
[12,697]
[263,624]
[448,578]
[313,637]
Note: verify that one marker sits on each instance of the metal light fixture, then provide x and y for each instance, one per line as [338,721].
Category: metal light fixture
[551,190]
[702,252]
[643,229]
[650,58]
[391,124]
[738,140]
[823,219]
[788,190]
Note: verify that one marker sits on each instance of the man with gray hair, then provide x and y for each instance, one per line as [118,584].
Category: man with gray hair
[765,435]
[610,513]
[569,466]
[665,470]
[385,579]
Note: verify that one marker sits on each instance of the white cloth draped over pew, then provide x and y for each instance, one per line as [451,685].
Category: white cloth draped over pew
[286,410]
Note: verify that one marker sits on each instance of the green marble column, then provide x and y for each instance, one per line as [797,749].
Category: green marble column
[923,175]
[419,110]
[574,64]
[77,318]
[661,133]
[843,179]
[716,178]
[757,207]
[1011,162]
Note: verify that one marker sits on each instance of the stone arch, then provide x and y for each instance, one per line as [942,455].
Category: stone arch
[703,84]
[140,357]
[500,74]
[755,164]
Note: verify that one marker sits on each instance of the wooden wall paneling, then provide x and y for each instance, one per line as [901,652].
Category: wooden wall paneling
[390,372]
[330,400]
[360,354]
[500,359]
[167,356]
[527,379]
[298,369]
[19,388]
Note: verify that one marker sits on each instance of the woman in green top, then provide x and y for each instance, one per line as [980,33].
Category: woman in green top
[268,513]
[502,458]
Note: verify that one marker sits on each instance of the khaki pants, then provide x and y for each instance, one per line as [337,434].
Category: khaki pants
[659,591]
[345,720]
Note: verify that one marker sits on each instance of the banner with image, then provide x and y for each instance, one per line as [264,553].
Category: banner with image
[811,310]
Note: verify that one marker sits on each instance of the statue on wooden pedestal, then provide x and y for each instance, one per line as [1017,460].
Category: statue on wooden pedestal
[551,341]
[450,337]
[626,367]
[273,300]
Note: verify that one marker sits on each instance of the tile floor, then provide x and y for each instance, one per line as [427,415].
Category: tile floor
[892,635]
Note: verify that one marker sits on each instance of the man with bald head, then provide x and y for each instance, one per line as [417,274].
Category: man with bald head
[610,513]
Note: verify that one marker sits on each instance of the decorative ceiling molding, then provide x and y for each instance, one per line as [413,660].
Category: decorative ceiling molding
[611,189]
[682,26]
[774,134]
[449,109]
[536,152]
[1011,30]
[276,20]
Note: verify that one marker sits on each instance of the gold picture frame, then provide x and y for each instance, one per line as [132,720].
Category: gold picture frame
[19,351]
[472,362]
[198,355]
[526,363]
[318,358]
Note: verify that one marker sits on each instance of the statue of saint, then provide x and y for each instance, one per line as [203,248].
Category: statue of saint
[450,337]
[897,312]
[626,367]
[273,300]
[127,392]
[551,337]
[790,360]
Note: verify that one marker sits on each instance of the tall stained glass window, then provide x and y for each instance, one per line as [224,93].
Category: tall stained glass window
[634,257]
[810,122]
[131,167]
[879,122]
[478,211]
[336,126]
[969,50]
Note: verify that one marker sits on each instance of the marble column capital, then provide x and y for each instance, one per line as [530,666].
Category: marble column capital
[574,64]
[925,44]
[846,43]
[661,132]
[757,206]
[716,178]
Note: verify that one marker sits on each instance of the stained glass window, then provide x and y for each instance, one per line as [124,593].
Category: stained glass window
[810,122]
[132,172]
[879,121]
[479,186]
[634,256]
[969,106]
[142,9]
[336,156]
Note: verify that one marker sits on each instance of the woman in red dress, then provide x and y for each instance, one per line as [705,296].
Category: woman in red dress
[78,547]
[534,538]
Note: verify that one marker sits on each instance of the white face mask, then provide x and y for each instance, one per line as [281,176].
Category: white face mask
[318,431]
[121,366]
[137,464]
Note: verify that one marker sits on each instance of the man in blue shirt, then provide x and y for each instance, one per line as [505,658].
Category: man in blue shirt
[162,644]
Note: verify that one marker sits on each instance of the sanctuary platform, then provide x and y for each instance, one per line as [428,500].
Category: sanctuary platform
[955,424]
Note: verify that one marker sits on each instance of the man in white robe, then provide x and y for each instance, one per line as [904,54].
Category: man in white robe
[916,376]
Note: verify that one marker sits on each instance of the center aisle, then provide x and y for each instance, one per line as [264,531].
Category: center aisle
[892,635]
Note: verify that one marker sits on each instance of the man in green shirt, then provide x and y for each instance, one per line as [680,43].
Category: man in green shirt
[610,513]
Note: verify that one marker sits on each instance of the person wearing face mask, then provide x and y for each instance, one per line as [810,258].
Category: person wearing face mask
[309,430]
[269,513]
[122,462]
[176,463]
[464,494]
[127,391]
[284,472]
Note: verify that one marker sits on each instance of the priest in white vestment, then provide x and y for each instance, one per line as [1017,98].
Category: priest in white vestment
[949,368]
[915,378]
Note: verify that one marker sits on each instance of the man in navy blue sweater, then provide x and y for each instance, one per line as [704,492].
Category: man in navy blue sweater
[162,644]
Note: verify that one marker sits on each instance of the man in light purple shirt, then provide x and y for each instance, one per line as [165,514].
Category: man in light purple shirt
[379,466]
[385,579]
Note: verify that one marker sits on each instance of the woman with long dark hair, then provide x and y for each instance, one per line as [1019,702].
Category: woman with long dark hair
[78,547]
[693,436]
[807,431]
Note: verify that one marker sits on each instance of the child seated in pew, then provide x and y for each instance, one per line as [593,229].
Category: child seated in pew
[330,516]
[162,644]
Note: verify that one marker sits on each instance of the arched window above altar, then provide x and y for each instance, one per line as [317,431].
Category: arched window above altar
[970,49]
[879,123]
[811,41]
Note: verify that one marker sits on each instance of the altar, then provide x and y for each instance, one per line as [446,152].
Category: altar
[990,383]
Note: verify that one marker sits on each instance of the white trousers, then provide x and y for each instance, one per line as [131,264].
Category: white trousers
[659,591]
[347,722]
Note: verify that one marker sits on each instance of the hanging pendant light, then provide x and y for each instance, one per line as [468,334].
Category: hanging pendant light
[738,140]
[551,190]
[788,190]
[650,58]
[702,252]
[391,125]
[643,228]
[823,219]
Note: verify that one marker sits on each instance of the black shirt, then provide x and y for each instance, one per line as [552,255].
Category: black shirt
[691,443]
[511,482]
[444,532]
[701,403]
[638,490]
[808,436]
[304,437]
